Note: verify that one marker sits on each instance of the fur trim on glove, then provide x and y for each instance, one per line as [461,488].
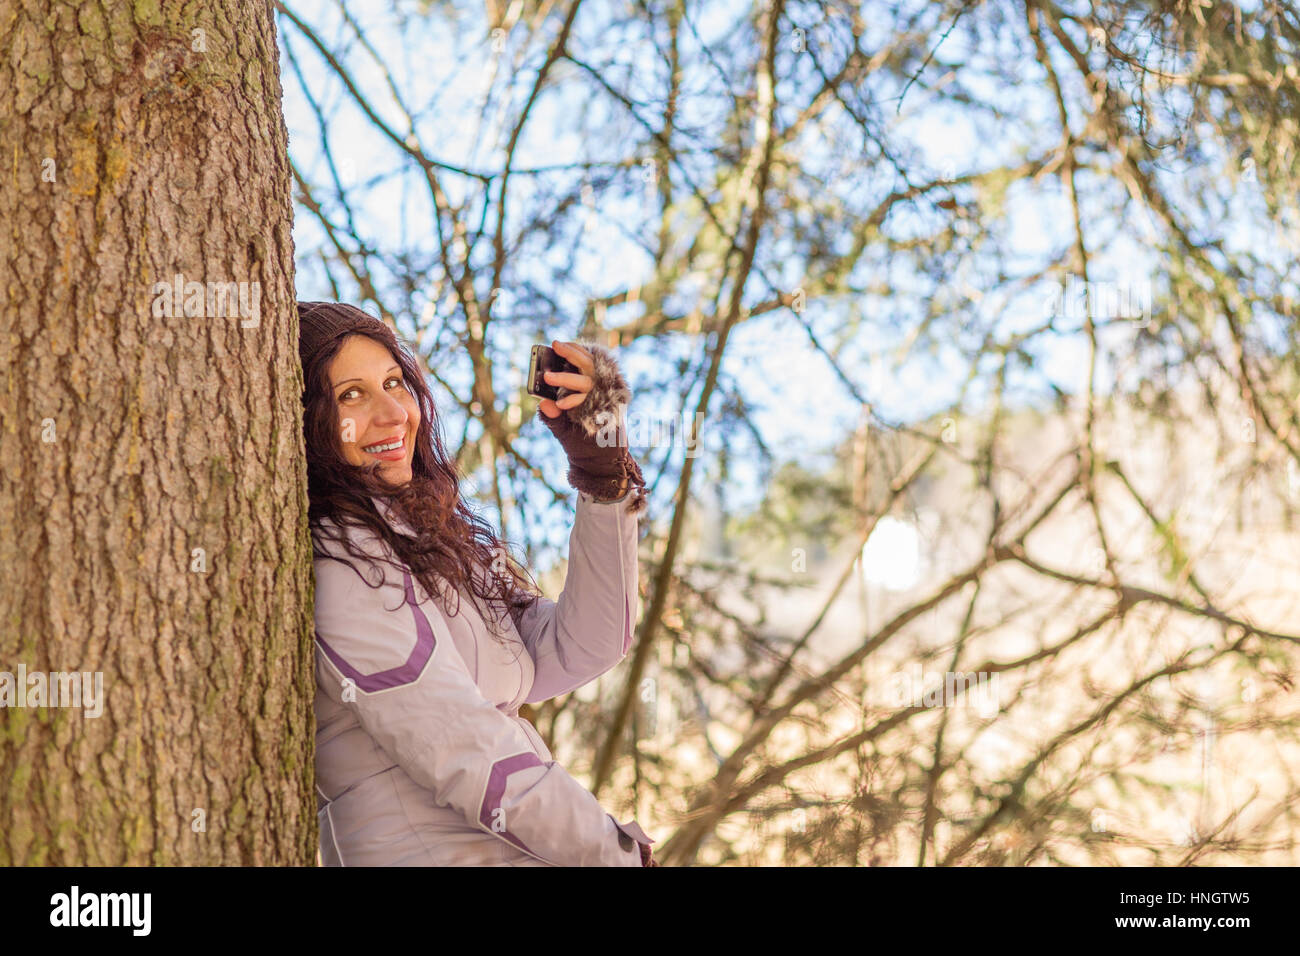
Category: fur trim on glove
[609,392]
[603,409]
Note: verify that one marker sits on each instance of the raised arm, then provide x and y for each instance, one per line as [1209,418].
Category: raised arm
[589,629]
[400,672]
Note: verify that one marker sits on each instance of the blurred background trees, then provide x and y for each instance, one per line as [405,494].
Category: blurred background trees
[962,341]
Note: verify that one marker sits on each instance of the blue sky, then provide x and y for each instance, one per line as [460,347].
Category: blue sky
[795,402]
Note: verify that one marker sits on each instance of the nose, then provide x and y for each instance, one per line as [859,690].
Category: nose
[390,412]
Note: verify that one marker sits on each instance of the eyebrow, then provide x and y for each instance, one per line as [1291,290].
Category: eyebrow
[346,380]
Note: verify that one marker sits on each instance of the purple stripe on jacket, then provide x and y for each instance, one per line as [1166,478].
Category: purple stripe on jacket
[395,676]
[496,788]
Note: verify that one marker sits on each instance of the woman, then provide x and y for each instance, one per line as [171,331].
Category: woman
[430,641]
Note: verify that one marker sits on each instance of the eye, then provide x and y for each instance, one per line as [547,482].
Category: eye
[394,378]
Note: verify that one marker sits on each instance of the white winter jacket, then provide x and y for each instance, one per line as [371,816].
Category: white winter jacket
[422,758]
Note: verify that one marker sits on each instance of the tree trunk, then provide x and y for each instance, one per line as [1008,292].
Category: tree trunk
[152,478]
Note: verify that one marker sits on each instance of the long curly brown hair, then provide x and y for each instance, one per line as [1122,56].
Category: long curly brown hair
[452,546]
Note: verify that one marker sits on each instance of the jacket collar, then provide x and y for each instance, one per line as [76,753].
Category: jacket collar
[388,512]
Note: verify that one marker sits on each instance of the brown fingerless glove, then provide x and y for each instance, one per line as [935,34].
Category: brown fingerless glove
[594,434]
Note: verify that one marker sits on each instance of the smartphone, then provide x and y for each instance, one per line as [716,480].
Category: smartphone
[545,359]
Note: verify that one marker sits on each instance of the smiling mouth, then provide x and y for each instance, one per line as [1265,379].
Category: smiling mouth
[387,451]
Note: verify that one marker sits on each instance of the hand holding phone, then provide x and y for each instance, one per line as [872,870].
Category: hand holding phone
[595,395]
[542,360]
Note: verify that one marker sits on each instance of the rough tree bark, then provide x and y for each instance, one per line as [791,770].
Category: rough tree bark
[152,477]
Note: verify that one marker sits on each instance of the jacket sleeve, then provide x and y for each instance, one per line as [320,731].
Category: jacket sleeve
[589,630]
[391,658]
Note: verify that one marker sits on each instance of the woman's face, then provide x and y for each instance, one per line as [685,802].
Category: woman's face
[374,407]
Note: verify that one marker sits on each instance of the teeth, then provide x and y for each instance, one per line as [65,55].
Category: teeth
[389,447]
